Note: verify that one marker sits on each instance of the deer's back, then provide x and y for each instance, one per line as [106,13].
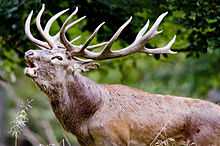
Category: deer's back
[132,116]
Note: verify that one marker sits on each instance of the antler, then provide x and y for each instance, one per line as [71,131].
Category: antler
[137,46]
[51,41]
[60,40]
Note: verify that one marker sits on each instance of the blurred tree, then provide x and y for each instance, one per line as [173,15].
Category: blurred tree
[2,115]
[202,18]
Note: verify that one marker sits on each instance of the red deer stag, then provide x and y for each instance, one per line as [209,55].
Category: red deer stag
[113,115]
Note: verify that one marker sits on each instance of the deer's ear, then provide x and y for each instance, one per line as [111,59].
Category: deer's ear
[89,66]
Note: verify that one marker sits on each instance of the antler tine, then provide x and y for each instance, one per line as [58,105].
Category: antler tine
[63,30]
[39,27]
[51,20]
[75,39]
[108,46]
[74,23]
[57,36]
[163,50]
[153,30]
[30,36]
[86,44]
[91,37]
[143,30]
[97,45]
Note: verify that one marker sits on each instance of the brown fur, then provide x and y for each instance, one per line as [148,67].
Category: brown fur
[119,115]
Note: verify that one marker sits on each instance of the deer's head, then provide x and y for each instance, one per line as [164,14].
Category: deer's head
[58,57]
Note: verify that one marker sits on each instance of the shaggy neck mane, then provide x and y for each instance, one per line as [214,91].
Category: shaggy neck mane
[74,100]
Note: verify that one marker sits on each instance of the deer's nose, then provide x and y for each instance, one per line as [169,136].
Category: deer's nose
[29,53]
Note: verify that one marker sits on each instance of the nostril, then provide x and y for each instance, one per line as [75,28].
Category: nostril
[29,53]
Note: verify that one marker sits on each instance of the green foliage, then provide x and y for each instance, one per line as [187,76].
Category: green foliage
[202,18]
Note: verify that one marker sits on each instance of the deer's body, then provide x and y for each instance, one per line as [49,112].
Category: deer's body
[117,115]
[113,115]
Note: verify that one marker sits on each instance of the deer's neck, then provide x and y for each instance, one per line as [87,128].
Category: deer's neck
[75,99]
[84,94]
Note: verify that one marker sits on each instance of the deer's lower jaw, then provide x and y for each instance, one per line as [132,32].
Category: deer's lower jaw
[31,71]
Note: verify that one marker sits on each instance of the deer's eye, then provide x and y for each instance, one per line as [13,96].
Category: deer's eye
[57,57]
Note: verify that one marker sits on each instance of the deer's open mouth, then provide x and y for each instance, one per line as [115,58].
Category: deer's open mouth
[30,64]
[31,69]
